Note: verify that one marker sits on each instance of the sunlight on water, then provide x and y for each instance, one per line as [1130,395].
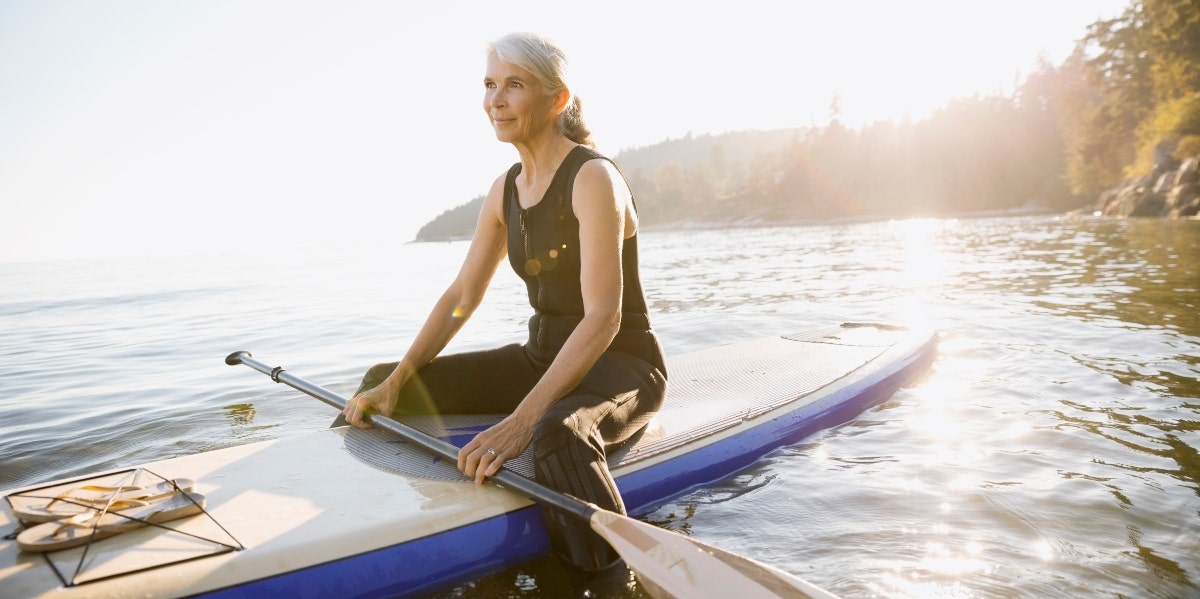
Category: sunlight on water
[973,466]
[924,265]
[936,416]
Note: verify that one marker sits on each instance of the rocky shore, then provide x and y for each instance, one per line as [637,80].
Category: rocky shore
[1171,191]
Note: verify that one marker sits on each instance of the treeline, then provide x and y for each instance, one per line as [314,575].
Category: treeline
[1129,96]
[979,153]
[1126,100]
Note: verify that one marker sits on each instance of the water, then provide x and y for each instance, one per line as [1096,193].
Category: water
[1052,449]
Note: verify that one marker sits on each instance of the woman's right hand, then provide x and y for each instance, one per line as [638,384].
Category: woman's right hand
[380,399]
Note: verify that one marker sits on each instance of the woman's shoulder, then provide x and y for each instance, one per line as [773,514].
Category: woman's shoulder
[597,169]
[498,184]
[494,200]
[601,181]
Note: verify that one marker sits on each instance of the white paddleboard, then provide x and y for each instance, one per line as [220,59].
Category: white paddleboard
[345,512]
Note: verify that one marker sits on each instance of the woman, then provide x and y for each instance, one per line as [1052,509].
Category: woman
[591,373]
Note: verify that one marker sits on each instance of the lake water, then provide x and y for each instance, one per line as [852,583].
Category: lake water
[1053,449]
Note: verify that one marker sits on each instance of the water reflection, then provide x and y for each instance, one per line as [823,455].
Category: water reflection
[1130,272]
[241,414]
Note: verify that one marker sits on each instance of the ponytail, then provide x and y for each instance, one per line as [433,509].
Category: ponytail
[570,122]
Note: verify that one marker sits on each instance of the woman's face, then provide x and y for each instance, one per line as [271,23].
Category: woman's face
[515,101]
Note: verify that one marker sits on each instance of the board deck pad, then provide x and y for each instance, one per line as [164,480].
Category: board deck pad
[707,391]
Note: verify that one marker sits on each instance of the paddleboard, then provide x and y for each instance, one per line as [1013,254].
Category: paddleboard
[346,512]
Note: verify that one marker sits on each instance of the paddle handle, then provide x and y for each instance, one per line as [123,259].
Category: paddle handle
[509,479]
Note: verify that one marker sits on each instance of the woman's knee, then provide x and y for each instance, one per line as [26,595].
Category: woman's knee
[554,429]
[375,375]
[566,434]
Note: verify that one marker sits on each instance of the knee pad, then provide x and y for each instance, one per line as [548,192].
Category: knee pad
[373,376]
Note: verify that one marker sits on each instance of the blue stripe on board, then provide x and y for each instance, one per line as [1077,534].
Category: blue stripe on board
[414,568]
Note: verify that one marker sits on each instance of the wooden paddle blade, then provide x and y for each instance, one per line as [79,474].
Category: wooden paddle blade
[672,566]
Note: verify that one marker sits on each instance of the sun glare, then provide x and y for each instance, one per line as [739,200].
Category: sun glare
[922,265]
[1043,550]
[935,417]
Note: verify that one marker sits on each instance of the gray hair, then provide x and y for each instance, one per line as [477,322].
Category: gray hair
[548,63]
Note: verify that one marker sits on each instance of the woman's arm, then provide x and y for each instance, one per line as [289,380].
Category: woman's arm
[600,200]
[457,303]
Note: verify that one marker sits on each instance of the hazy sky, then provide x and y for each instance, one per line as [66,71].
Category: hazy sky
[142,127]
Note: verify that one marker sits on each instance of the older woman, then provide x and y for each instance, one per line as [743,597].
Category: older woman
[591,373]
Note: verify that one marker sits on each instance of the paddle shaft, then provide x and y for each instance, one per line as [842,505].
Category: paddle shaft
[509,479]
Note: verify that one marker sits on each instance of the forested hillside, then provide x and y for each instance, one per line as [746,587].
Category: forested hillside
[1126,102]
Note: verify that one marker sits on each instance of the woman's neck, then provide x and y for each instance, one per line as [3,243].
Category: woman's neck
[541,157]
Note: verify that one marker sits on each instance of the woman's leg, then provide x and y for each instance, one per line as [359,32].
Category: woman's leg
[492,381]
[615,400]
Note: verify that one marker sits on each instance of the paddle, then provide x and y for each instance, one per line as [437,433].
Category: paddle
[667,564]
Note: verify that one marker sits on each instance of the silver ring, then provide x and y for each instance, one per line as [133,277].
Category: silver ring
[492,450]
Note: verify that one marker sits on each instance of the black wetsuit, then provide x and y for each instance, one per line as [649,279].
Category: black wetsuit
[615,399]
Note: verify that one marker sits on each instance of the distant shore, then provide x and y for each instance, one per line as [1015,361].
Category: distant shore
[761,223]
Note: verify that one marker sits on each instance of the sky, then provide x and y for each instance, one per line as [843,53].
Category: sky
[149,128]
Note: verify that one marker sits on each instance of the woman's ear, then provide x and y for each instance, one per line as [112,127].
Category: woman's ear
[561,99]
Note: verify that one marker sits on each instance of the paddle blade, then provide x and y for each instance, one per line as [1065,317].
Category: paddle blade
[672,566]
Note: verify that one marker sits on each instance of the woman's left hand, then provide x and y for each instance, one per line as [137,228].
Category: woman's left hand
[483,456]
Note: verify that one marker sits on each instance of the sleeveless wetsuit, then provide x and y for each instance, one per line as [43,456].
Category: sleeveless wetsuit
[615,399]
[543,249]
